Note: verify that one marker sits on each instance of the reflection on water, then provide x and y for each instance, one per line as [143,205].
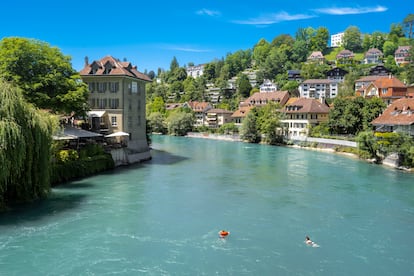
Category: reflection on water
[162,217]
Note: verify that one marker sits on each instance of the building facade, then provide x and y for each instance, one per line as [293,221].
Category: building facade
[337,39]
[195,71]
[117,99]
[318,89]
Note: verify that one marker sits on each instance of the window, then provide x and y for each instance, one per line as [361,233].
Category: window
[384,90]
[91,86]
[113,103]
[101,87]
[113,121]
[114,87]
[134,87]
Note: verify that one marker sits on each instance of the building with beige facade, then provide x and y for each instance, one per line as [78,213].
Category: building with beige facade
[117,100]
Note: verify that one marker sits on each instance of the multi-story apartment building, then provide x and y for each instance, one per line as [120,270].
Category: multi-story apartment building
[318,88]
[117,99]
[337,39]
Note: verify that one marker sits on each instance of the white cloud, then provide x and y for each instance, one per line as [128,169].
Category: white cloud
[208,12]
[273,19]
[184,48]
[349,10]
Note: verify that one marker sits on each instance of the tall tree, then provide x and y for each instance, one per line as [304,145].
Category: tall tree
[25,139]
[352,39]
[249,129]
[243,85]
[319,41]
[45,75]
[260,51]
[408,25]
[174,64]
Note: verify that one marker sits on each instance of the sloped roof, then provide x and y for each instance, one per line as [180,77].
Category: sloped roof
[400,112]
[117,68]
[387,82]
[277,96]
[199,106]
[241,112]
[368,78]
[316,55]
[306,105]
[373,51]
[219,111]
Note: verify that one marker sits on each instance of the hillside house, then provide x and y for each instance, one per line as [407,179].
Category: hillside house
[336,74]
[373,56]
[388,89]
[402,55]
[217,117]
[318,88]
[200,112]
[397,117]
[268,86]
[316,57]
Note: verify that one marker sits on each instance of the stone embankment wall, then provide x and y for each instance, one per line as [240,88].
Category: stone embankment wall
[124,156]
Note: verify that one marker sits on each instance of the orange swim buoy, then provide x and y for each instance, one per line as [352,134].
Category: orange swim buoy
[224,233]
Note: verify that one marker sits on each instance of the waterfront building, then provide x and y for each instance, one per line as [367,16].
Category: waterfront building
[397,117]
[216,117]
[303,113]
[117,100]
[200,111]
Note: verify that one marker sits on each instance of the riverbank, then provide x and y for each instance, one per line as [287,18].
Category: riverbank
[316,144]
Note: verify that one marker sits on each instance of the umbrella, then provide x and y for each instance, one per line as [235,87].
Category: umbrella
[117,134]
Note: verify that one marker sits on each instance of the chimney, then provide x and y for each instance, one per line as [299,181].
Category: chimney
[86,61]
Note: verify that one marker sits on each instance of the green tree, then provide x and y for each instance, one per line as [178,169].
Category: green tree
[243,85]
[372,108]
[389,48]
[179,123]
[157,105]
[319,41]
[261,51]
[25,148]
[45,75]
[269,123]
[408,24]
[174,64]
[156,121]
[249,130]
[352,39]
[367,143]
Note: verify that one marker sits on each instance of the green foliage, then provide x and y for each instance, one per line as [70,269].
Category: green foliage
[249,130]
[352,39]
[65,156]
[243,86]
[62,172]
[351,115]
[25,148]
[228,128]
[179,123]
[156,121]
[44,74]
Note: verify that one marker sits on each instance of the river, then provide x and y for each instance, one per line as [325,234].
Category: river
[162,217]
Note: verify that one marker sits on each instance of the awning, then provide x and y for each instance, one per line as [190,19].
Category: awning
[117,134]
[96,113]
[71,133]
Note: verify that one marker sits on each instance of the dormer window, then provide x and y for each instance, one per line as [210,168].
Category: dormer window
[108,68]
[94,68]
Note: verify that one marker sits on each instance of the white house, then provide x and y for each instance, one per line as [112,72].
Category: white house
[318,88]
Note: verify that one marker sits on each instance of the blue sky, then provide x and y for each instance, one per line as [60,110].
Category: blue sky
[151,33]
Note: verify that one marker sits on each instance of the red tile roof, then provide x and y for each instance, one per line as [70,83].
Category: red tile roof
[387,82]
[199,106]
[117,68]
[242,112]
[400,112]
[306,105]
[263,98]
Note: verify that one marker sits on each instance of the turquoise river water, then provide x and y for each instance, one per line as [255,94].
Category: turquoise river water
[163,217]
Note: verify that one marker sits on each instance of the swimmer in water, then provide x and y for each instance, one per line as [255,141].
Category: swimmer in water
[309,242]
